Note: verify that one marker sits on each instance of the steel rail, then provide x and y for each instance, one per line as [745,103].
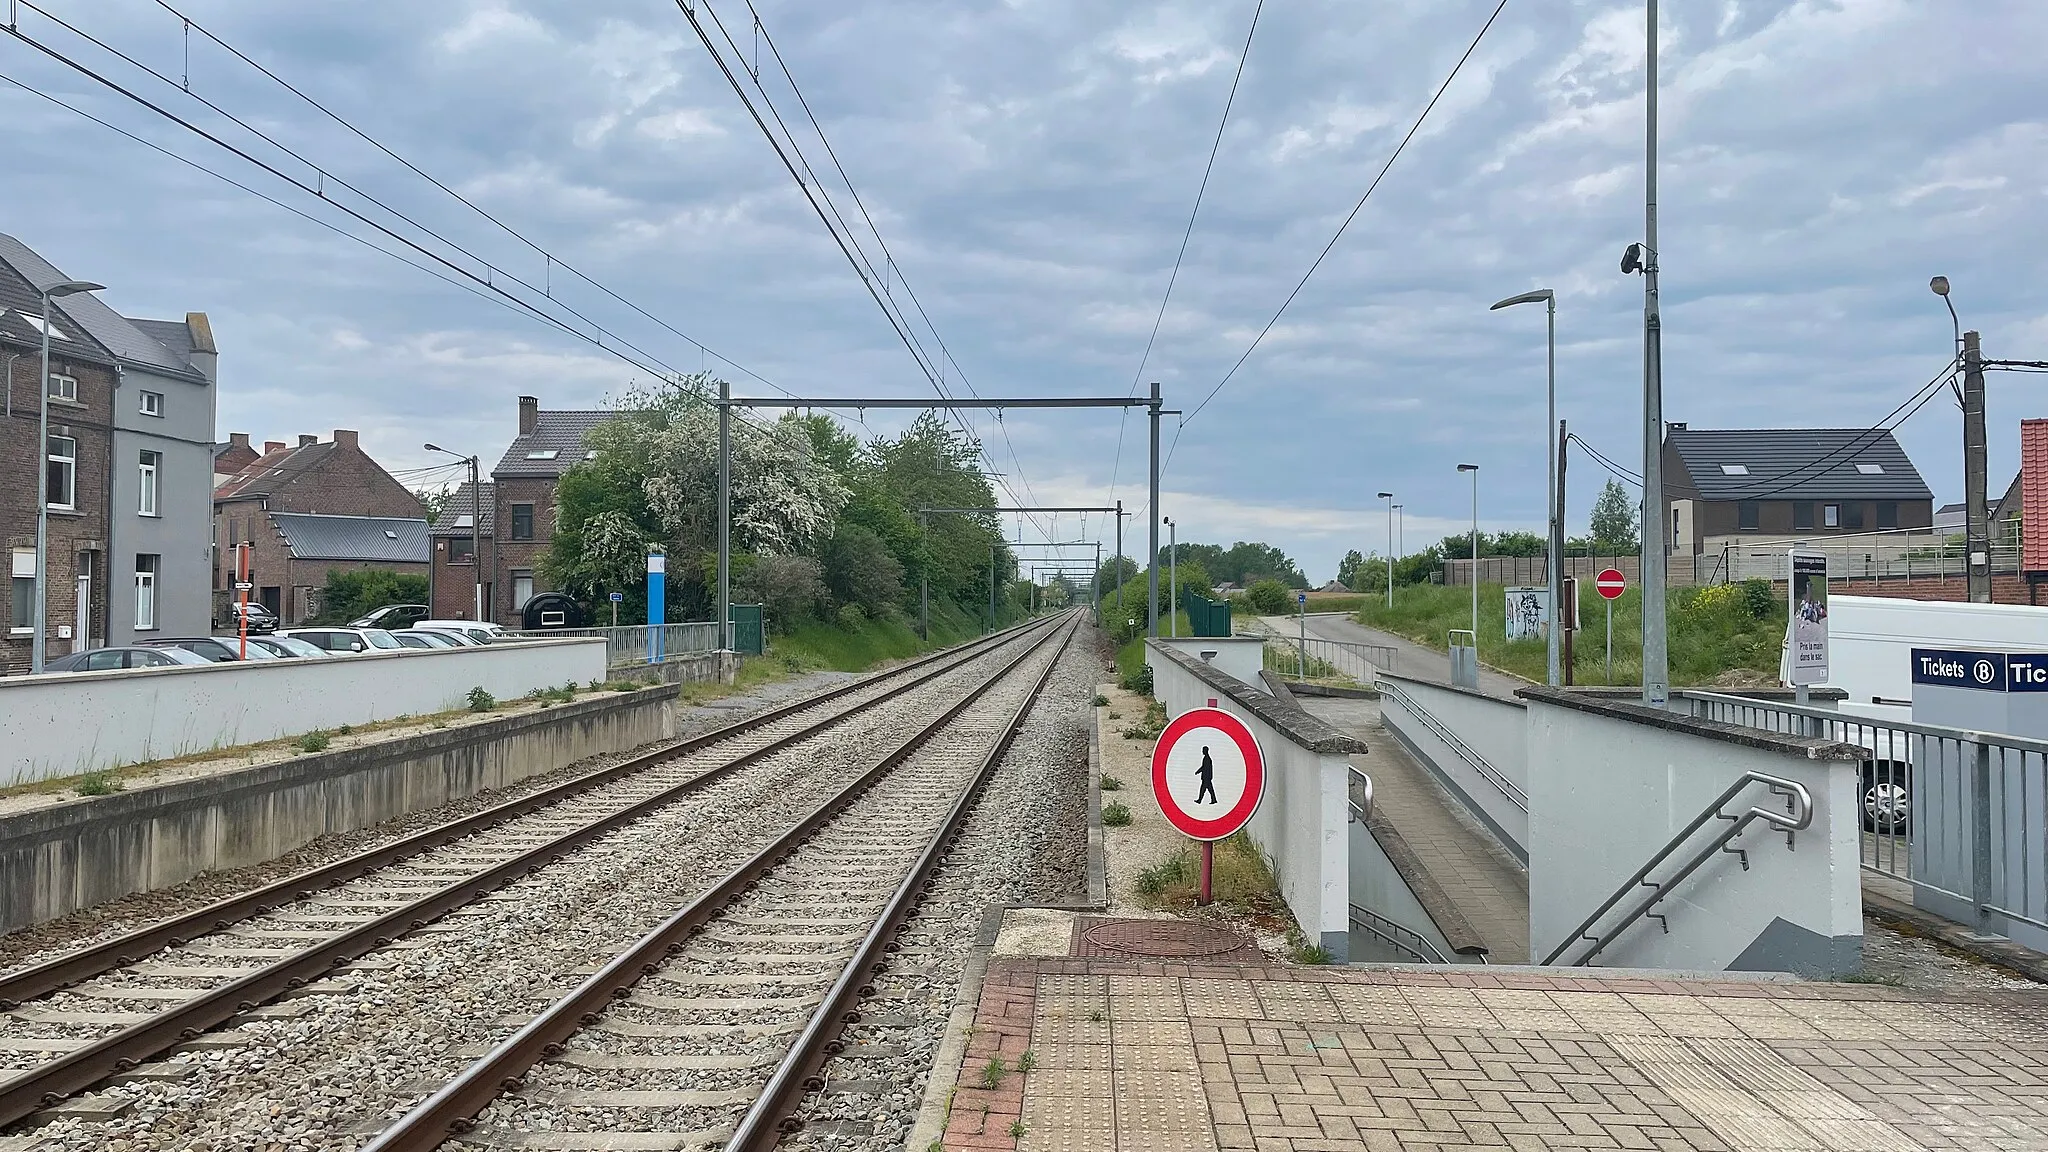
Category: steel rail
[97,959]
[77,1070]
[774,1114]
[453,1108]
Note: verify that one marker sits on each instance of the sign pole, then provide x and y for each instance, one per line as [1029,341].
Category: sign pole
[1610,641]
[1208,868]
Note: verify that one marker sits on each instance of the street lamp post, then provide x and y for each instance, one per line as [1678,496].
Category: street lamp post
[1554,548]
[1389,498]
[1474,470]
[39,640]
[476,526]
[1977,515]
[1172,578]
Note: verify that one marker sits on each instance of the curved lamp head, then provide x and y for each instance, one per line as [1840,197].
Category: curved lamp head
[1543,295]
[1939,285]
[433,447]
[1386,496]
[1468,467]
[72,287]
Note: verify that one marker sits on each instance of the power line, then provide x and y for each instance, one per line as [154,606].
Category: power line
[1341,228]
[1201,190]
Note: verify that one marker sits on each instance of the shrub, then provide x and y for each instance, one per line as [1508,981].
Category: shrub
[1100,700]
[348,595]
[790,589]
[101,783]
[1115,814]
[345,729]
[1138,680]
[480,700]
[1111,783]
[852,618]
[860,570]
[1759,597]
[1270,598]
[314,741]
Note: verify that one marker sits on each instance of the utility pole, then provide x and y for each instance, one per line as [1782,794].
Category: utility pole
[924,579]
[1119,556]
[1172,578]
[1978,529]
[1565,615]
[1152,540]
[724,519]
[1656,657]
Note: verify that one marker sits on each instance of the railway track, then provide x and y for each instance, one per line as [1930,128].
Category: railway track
[710,1030]
[74,1020]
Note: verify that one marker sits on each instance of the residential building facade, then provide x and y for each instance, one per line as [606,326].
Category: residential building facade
[518,517]
[131,418]
[333,478]
[1748,487]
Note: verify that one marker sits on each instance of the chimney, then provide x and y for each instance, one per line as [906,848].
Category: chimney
[345,436]
[270,446]
[238,439]
[529,415]
[205,356]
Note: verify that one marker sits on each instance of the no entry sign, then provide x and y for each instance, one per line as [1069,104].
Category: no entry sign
[1208,773]
[1610,582]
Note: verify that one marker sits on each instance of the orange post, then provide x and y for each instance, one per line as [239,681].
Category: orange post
[242,566]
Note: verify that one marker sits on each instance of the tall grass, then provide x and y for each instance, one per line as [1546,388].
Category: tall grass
[1715,634]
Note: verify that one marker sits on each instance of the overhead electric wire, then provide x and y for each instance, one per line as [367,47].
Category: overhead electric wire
[464,200]
[1341,228]
[1201,190]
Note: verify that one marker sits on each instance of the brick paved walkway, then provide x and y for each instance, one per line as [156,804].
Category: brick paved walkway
[1128,1056]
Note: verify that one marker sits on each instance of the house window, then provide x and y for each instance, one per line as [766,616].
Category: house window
[1852,517]
[152,403]
[462,549]
[63,387]
[63,472]
[522,590]
[1749,515]
[22,610]
[152,462]
[1802,514]
[145,591]
[1887,514]
[1831,515]
[522,521]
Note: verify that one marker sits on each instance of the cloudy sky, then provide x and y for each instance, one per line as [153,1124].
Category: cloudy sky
[1031,164]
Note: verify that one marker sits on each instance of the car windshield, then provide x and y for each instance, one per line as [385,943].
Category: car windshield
[180,656]
[379,638]
[256,651]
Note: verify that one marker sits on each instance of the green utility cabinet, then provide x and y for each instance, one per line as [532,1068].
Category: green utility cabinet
[747,633]
[1207,617]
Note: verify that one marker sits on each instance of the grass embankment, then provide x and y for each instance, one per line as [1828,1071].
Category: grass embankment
[1727,634]
[849,644]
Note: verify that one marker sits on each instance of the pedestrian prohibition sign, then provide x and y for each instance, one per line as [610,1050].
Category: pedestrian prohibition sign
[1208,773]
[1610,582]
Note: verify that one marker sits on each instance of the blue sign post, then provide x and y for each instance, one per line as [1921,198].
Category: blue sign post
[657,610]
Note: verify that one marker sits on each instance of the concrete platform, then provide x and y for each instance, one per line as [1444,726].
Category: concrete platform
[1132,1054]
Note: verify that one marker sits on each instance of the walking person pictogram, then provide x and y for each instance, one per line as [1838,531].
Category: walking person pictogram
[1207,773]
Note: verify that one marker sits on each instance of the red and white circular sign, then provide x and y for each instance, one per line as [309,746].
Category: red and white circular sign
[1208,773]
[1610,582]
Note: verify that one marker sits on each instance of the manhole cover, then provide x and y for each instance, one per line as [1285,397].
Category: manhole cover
[1175,939]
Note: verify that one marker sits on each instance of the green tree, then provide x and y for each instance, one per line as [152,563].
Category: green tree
[1269,598]
[1347,569]
[1614,520]
[349,595]
[434,500]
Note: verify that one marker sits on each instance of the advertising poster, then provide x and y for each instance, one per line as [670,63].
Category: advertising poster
[1809,618]
[1528,613]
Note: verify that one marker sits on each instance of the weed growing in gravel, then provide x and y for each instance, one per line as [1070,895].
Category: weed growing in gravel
[345,729]
[1307,953]
[1028,1060]
[1174,871]
[1017,1129]
[596,685]
[1116,814]
[1111,783]
[480,700]
[993,1071]
[1151,726]
[1241,879]
[1100,699]
[1115,715]
[1096,1017]
[314,741]
[101,783]
[1872,978]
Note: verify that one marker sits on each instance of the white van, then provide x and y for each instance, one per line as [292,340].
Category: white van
[481,631]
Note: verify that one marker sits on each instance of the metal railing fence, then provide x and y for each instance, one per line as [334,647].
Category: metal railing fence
[1958,815]
[630,644]
[1399,937]
[1892,554]
[1326,661]
[1494,776]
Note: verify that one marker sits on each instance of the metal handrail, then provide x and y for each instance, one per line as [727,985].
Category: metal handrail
[1398,936]
[1361,810]
[1494,776]
[1799,814]
[1851,719]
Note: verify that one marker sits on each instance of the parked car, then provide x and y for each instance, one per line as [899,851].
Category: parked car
[345,641]
[413,638]
[458,639]
[261,619]
[215,648]
[133,656]
[392,617]
[289,647]
[482,631]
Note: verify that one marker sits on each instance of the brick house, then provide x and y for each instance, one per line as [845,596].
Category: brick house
[519,515]
[330,479]
[452,582]
[1756,486]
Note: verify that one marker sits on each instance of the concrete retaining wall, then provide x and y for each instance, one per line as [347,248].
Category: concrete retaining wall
[697,668]
[1238,657]
[66,724]
[1301,825]
[1494,731]
[56,860]
[1611,783]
